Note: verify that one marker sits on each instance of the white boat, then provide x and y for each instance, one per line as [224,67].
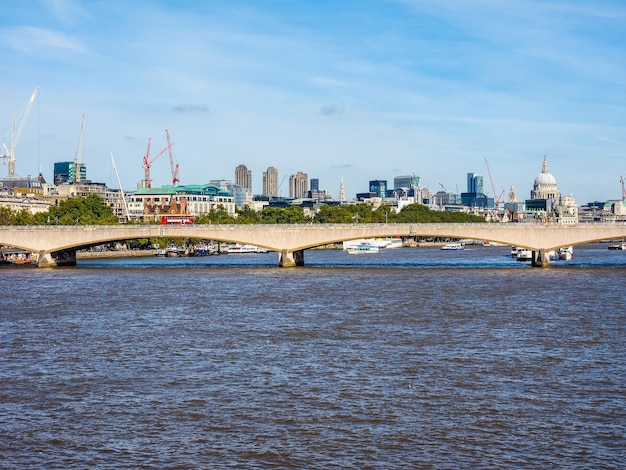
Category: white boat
[387,243]
[358,249]
[565,253]
[618,246]
[245,249]
[524,254]
[490,243]
[171,251]
[348,244]
[453,246]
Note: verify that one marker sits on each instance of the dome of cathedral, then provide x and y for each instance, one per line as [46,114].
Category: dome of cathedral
[545,178]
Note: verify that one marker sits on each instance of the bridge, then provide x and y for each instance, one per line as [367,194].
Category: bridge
[57,245]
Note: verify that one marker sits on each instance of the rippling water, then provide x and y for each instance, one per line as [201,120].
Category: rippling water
[411,358]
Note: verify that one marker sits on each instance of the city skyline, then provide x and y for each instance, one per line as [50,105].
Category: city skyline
[360,90]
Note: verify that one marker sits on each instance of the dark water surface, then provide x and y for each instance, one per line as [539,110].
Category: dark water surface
[414,358]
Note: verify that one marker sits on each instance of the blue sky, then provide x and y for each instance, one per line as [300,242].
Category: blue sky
[359,89]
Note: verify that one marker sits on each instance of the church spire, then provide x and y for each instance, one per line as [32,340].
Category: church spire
[342,193]
[544,167]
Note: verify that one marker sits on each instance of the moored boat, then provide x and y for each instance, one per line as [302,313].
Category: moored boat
[524,254]
[566,253]
[238,248]
[17,257]
[618,246]
[358,249]
[171,251]
[204,249]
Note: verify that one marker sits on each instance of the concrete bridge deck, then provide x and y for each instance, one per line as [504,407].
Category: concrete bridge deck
[57,245]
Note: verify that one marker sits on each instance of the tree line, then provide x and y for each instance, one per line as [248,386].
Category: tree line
[92,210]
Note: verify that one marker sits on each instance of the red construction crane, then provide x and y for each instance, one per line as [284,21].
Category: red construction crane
[147,163]
[173,167]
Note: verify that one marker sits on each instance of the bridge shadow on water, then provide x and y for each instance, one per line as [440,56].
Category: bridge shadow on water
[472,257]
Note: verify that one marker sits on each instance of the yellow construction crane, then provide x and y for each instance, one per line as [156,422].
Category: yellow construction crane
[9,154]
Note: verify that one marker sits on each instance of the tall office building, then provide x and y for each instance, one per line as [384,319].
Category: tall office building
[379,188]
[315,185]
[69,172]
[243,177]
[409,182]
[474,183]
[270,182]
[298,185]
[474,197]
[314,192]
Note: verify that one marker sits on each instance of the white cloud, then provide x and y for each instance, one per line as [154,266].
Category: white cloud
[39,41]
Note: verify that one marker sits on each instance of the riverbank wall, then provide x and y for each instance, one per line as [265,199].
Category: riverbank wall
[114,254]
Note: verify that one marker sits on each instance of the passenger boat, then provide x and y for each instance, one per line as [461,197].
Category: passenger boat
[358,249]
[565,253]
[618,246]
[453,246]
[238,248]
[524,254]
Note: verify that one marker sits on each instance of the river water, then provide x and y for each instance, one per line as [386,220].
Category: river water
[412,358]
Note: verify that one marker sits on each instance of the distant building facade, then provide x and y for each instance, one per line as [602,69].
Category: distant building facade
[475,197]
[270,182]
[19,202]
[23,185]
[379,188]
[241,196]
[315,193]
[69,173]
[243,177]
[408,182]
[149,204]
[298,185]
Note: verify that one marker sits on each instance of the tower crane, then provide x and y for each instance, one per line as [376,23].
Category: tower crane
[79,153]
[281,184]
[621,178]
[147,163]
[174,168]
[493,187]
[15,137]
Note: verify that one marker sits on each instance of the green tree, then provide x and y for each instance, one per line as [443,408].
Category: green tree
[90,210]
[10,216]
[418,213]
[342,214]
[288,215]
[247,215]
[217,215]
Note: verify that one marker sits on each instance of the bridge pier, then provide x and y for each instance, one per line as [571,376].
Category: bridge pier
[56,258]
[540,259]
[289,259]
